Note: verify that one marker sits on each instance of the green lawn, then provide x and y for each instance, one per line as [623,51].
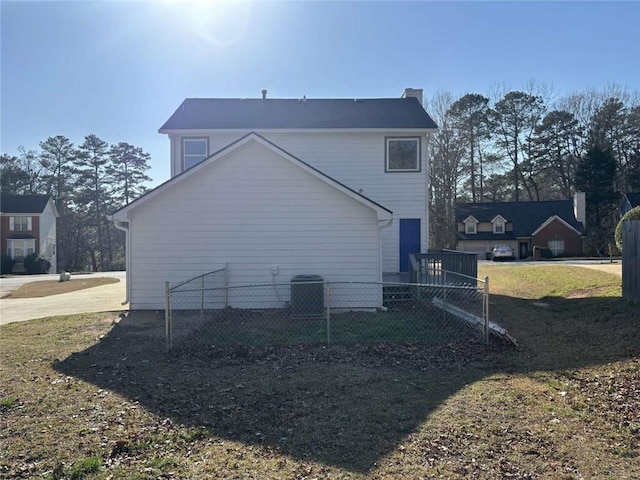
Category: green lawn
[95,396]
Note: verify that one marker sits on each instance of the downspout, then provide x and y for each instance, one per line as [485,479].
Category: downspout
[382,224]
[124,226]
[427,171]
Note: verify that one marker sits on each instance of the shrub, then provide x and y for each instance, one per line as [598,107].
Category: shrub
[35,264]
[633,214]
[6,264]
[545,253]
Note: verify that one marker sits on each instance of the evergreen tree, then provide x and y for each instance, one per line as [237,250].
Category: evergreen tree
[470,115]
[92,197]
[57,157]
[556,144]
[595,175]
[515,117]
[127,172]
[13,179]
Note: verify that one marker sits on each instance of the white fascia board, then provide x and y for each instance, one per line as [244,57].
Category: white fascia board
[551,219]
[497,217]
[21,214]
[205,131]
[122,214]
[470,217]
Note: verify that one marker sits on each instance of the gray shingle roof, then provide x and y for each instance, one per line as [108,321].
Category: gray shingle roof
[23,203]
[634,199]
[525,217]
[236,113]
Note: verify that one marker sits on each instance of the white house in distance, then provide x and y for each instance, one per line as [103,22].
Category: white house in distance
[28,225]
[276,188]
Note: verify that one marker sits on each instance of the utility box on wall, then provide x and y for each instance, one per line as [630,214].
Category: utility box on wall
[307,296]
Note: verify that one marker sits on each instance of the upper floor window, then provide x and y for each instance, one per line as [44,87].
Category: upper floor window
[20,224]
[470,226]
[498,225]
[402,154]
[194,150]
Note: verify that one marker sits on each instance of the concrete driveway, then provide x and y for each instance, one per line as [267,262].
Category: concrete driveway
[105,298]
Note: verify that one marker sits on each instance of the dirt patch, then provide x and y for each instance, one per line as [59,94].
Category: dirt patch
[613,268]
[587,292]
[54,287]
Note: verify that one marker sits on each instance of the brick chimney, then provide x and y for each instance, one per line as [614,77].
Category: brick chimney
[580,207]
[413,92]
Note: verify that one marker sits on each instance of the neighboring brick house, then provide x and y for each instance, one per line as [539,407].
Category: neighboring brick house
[556,225]
[28,225]
[629,200]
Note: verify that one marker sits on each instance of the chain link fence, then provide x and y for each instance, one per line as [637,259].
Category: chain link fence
[208,313]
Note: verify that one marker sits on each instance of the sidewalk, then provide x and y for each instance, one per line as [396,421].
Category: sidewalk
[105,298]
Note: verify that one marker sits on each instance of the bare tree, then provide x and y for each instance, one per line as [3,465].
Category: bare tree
[446,150]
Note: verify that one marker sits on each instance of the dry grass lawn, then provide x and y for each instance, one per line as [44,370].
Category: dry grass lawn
[94,396]
[54,287]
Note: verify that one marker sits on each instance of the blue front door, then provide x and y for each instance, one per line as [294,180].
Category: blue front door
[409,240]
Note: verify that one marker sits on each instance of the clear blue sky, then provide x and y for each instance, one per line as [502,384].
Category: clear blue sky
[119,69]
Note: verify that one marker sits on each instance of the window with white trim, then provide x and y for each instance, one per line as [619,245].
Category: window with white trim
[20,224]
[194,150]
[498,226]
[402,154]
[470,227]
[19,248]
[556,247]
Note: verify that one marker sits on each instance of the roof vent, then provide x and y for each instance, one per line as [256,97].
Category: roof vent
[264,93]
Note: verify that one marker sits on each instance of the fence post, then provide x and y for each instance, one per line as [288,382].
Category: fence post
[328,297]
[444,302]
[167,314]
[202,298]
[485,304]
[226,286]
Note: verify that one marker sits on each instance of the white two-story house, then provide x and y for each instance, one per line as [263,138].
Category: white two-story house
[275,188]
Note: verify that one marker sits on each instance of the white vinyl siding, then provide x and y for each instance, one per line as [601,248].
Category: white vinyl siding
[253,210]
[47,236]
[356,159]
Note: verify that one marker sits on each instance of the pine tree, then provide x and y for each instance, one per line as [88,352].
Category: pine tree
[596,175]
[127,172]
